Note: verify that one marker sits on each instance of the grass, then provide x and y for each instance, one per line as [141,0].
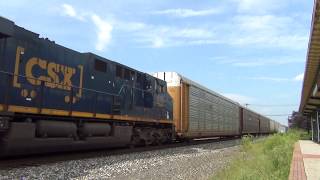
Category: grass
[265,159]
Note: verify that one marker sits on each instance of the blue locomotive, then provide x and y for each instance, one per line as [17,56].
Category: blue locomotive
[54,98]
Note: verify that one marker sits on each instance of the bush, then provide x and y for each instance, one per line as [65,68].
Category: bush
[269,158]
[246,142]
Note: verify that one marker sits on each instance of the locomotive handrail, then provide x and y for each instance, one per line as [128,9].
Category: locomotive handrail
[125,85]
[77,87]
[18,75]
[72,88]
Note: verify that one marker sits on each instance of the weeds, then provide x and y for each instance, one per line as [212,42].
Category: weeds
[266,159]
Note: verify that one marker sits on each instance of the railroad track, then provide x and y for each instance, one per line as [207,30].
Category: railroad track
[38,160]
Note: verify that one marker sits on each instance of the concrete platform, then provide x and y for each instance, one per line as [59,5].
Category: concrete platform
[305,161]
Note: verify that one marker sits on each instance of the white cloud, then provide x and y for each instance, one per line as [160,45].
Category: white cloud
[295,42]
[275,79]
[104,30]
[269,31]
[299,77]
[239,98]
[248,62]
[168,36]
[183,13]
[191,33]
[258,6]
[262,22]
[257,31]
[260,31]
[267,62]
[131,26]
[70,11]
[157,42]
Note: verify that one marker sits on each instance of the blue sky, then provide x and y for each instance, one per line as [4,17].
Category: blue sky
[252,51]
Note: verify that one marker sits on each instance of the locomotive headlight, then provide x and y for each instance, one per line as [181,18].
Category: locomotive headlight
[3,123]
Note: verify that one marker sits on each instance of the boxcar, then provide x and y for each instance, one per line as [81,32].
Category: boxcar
[199,111]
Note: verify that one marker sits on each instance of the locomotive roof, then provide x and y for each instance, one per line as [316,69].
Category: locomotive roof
[10,29]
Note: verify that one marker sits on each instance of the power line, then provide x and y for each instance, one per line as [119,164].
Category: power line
[278,115]
[272,105]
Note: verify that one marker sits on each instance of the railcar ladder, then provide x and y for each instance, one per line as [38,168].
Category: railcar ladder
[116,105]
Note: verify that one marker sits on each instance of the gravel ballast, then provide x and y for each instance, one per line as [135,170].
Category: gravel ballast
[188,162]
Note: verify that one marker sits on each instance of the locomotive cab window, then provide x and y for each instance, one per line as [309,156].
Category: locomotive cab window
[127,74]
[139,78]
[100,65]
[148,85]
[119,71]
[132,75]
[162,89]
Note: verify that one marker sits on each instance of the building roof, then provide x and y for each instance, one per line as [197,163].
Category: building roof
[309,95]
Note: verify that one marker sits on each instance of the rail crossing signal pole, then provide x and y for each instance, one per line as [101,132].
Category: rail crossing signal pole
[311,120]
[317,127]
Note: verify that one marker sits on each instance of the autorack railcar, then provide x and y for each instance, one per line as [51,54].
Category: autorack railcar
[201,112]
[264,125]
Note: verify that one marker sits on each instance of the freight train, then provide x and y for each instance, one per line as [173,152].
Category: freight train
[199,112]
[57,99]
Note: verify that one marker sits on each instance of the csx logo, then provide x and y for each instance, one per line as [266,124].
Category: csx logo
[52,75]
[51,79]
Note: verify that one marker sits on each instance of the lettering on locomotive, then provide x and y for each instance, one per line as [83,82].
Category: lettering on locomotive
[51,74]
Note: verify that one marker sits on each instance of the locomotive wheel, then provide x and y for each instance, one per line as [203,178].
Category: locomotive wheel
[135,141]
[156,138]
[148,141]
